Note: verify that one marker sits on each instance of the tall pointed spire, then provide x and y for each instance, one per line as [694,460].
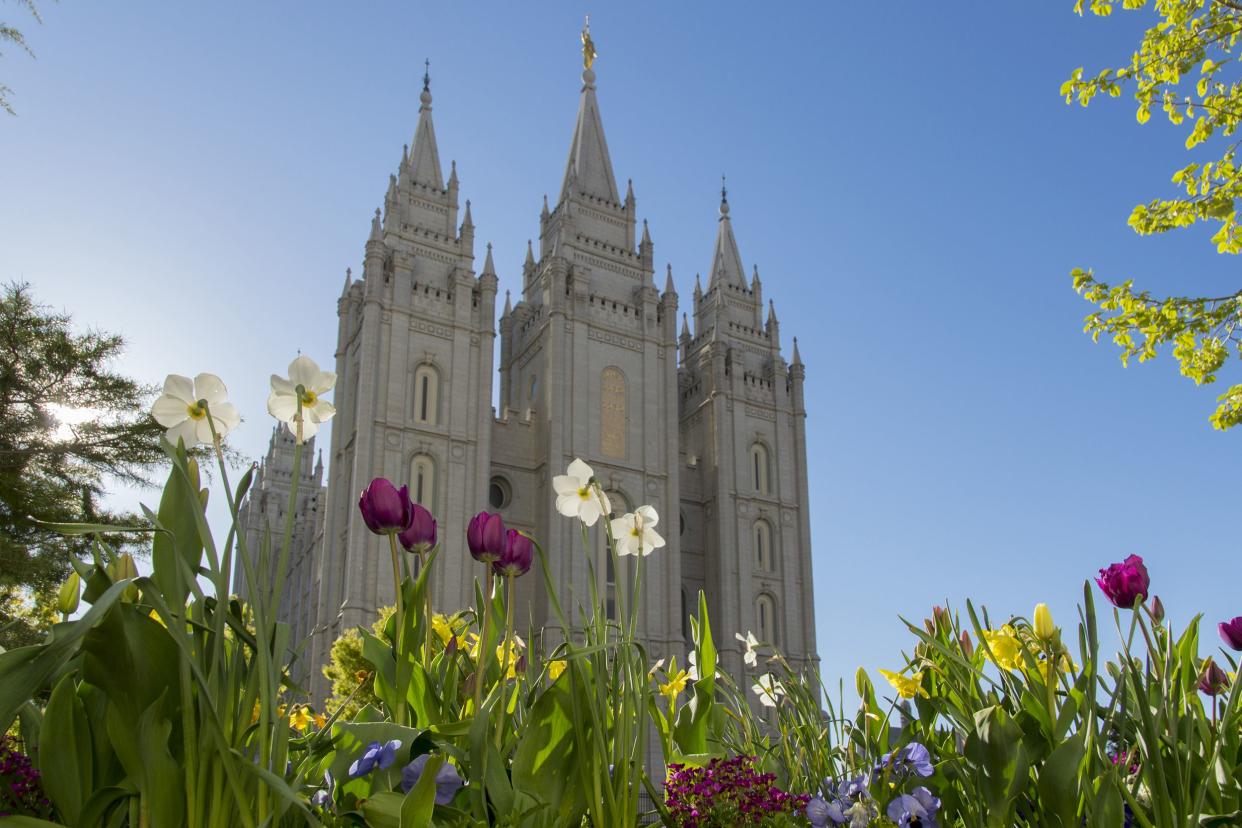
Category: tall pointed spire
[489,267]
[726,260]
[508,304]
[425,157]
[589,168]
[797,357]
[376,233]
[668,280]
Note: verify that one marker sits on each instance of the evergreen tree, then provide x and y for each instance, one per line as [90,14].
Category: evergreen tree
[68,424]
[1186,65]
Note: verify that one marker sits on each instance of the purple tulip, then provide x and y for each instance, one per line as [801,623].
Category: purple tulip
[448,780]
[386,510]
[486,537]
[420,535]
[517,557]
[1231,632]
[1125,582]
[1212,679]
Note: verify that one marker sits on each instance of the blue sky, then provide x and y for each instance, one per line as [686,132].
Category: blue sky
[913,188]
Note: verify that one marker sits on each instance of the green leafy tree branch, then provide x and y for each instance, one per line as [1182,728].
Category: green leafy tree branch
[1186,65]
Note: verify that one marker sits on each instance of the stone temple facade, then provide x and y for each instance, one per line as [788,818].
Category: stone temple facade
[708,427]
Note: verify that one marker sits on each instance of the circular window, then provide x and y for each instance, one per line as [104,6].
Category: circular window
[498,493]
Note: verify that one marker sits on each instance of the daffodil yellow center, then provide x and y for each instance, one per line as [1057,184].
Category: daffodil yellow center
[309,397]
[585,493]
[196,411]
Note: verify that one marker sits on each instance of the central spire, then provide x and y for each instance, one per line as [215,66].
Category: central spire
[726,260]
[425,157]
[589,168]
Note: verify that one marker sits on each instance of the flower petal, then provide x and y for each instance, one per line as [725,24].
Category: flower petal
[211,388]
[180,387]
[169,410]
[580,470]
[563,484]
[282,406]
[303,371]
[280,385]
[324,382]
[567,504]
[185,431]
[202,431]
[321,411]
[589,512]
[309,429]
[648,514]
[226,416]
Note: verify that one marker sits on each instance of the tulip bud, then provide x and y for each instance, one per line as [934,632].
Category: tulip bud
[68,597]
[1157,609]
[420,535]
[124,568]
[968,648]
[1212,679]
[517,557]
[486,537]
[386,510]
[1044,628]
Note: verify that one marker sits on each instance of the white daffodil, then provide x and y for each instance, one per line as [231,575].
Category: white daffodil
[750,657]
[692,670]
[577,496]
[768,689]
[634,533]
[180,409]
[307,383]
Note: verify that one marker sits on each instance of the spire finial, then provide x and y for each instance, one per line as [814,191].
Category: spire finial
[425,97]
[724,197]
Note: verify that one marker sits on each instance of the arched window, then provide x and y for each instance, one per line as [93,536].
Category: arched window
[759,468]
[423,481]
[612,414]
[426,395]
[763,545]
[765,618]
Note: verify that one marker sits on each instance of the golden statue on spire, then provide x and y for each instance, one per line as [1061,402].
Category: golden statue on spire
[588,45]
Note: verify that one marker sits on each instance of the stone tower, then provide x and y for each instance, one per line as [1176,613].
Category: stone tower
[414,386]
[743,440]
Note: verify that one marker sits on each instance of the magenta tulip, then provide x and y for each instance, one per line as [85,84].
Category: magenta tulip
[1125,582]
[1231,632]
[386,510]
[517,557]
[486,537]
[420,535]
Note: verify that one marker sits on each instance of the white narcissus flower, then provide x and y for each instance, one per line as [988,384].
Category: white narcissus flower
[179,409]
[750,657]
[768,689]
[577,496]
[283,402]
[692,670]
[634,533]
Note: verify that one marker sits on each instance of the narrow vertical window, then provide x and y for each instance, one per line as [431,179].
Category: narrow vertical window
[423,480]
[763,546]
[765,612]
[759,468]
[426,395]
[612,415]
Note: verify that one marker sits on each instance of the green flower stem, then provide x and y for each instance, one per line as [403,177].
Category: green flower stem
[398,712]
[422,568]
[481,661]
[505,662]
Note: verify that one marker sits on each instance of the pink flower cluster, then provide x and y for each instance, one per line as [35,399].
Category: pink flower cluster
[726,793]
[20,791]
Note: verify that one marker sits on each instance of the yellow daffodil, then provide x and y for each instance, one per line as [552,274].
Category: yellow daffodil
[155,616]
[1063,665]
[1005,647]
[906,687]
[1042,623]
[444,627]
[320,721]
[676,683]
[555,668]
[300,718]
